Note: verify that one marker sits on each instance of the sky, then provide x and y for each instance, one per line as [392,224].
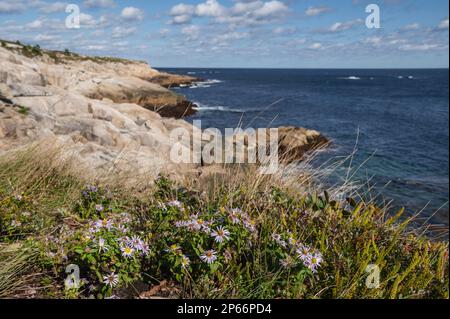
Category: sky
[240,33]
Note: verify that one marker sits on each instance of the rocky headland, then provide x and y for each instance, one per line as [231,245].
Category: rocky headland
[108,112]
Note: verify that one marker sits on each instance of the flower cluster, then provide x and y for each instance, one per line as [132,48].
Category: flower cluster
[134,245]
[217,228]
[239,217]
[309,257]
[279,240]
[111,248]
[176,204]
[176,251]
[94,202]
[89,191]
[195,223]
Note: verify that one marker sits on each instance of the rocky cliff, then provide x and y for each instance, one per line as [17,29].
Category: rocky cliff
[101,109]
[109,113]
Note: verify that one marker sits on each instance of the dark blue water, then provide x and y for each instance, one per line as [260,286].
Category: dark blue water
[402,117]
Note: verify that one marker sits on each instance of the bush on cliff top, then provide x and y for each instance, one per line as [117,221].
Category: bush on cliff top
[246,239]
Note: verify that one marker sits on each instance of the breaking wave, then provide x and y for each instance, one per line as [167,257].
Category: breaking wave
[202,107]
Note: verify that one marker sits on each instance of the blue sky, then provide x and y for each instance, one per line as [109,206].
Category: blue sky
[240,33]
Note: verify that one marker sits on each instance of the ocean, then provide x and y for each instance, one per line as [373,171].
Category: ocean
[398,118]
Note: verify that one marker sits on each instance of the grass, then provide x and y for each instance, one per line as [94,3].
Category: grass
[52,219]
[16,263]
[23,110]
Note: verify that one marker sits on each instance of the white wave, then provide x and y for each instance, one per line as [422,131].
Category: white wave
[351,78]
[201,107]
[192,73]
[212,81]
[205,84]
[199,86]
[400,77]
[410,77]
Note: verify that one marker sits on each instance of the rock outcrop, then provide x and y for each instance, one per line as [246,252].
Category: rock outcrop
[169,80]
[100,111]
[94,77]
[294,143]
[105,112]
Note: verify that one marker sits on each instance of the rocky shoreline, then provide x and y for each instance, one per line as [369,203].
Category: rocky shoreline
[106,111]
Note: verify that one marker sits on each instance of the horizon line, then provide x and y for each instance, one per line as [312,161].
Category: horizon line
[295,68]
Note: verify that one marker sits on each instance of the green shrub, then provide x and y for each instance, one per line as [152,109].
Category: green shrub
[23,110]
[241,240]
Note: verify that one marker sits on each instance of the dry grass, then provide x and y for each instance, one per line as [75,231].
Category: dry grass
[350,235]
[16,263]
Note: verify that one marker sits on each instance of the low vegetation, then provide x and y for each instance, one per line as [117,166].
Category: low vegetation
[33,51]
[231,237]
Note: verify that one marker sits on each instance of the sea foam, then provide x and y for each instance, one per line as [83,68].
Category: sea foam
[219,108]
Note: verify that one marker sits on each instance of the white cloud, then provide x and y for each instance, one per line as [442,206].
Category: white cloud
[374,41]
[296,42]
[224,39]
[342,26]
[182,9]
[11,7]
[443,25]
[315,11]
[315,46]
[284,30]
[412,26]
[272,8]
[36,24]
[246,7]
[164,32]
[86,20]
[19,6]
[96,47]
[53,7]
[419,47]
[99,3]
[132,13]
[182,19]
[122,32]
[45,38]
[241,13]
[211,8]
[191,32]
